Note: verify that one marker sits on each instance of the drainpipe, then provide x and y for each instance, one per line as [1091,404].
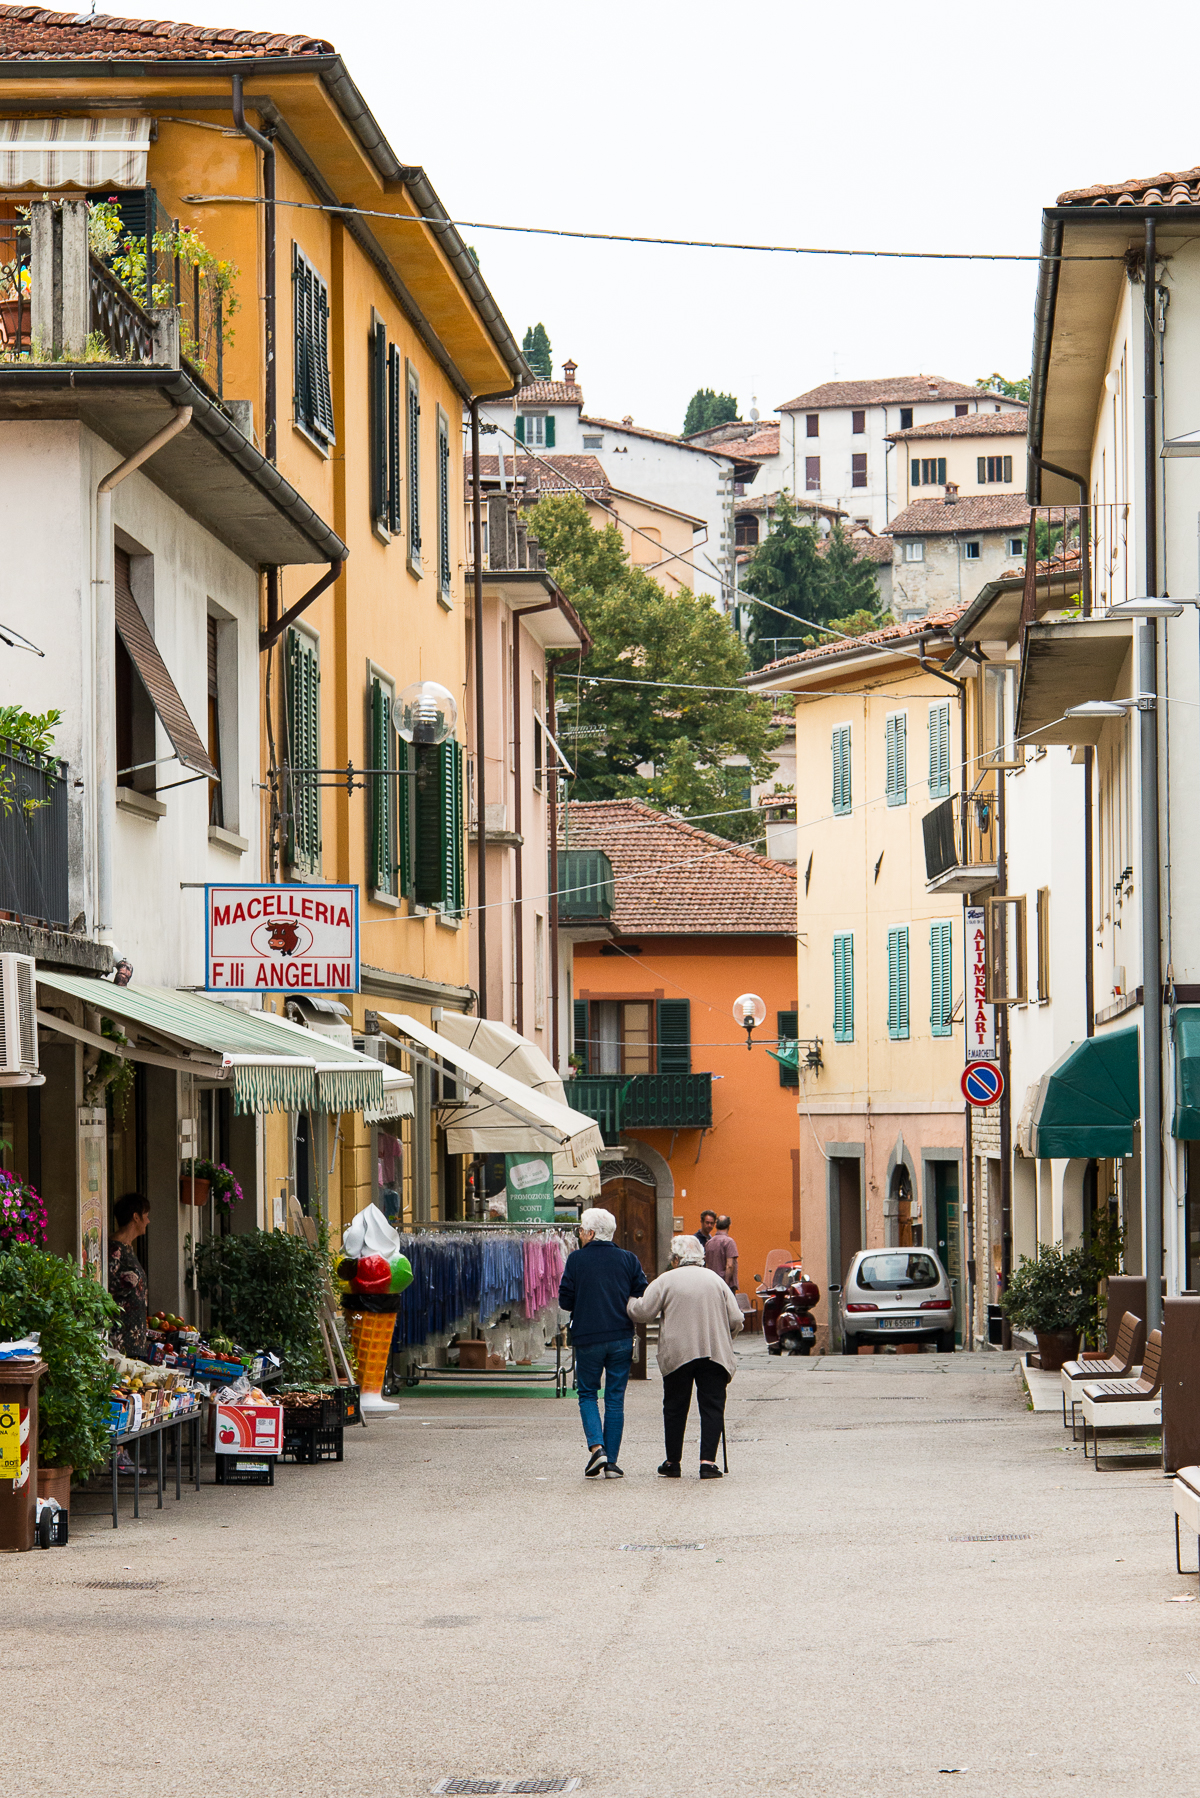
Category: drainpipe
[268,156]
[480,747]
[106,668]
[552,792]
[518,908]
[1147,715]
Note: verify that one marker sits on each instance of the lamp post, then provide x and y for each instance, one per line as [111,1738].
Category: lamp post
[750,1011]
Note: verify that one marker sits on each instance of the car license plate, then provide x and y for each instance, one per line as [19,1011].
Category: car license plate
[809,1330]
[898,1323]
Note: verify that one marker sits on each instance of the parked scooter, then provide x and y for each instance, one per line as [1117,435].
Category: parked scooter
[788,1322]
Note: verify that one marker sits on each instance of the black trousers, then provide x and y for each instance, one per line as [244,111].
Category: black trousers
[710,1380]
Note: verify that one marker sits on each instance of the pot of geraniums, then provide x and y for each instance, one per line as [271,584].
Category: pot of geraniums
[221,1182]
[1052,1298]
[72,1314]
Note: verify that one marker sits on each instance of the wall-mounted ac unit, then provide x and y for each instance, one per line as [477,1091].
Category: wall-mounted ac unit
[18,1020]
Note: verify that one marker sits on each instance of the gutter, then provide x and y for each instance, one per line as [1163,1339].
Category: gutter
[1044,306]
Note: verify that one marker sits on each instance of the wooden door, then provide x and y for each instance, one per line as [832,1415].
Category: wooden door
[635,1207]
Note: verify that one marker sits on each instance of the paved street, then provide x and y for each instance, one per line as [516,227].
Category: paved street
[456,1600]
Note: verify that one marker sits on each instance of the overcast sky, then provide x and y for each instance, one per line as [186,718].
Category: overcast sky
[878,126]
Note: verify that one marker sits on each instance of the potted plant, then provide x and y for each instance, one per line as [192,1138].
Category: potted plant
[193,1188]
[221,1180]
[72,1315]
[22,1213]
[14,301]
[1052,1298]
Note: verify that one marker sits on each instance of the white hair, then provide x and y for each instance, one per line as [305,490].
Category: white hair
[688,1251]
[601,1223]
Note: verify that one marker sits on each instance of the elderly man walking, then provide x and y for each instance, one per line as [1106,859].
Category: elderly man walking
[700,1318]
[597,1284]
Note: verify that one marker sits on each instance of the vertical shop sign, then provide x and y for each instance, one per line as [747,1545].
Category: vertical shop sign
[529,1186]
[93,1196]
[980,1016]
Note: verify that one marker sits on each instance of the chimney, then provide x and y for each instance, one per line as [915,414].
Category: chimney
[569,369]
[628,419]
[951,493]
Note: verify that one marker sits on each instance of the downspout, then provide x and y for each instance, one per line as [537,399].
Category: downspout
[1004,1060]
[552,797]
[480,746]
[1148,758]
[106,667]
[518,916]
[268,156]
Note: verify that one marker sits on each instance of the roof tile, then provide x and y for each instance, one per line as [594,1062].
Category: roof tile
[890,633]
[28,34]
[546,474]
[975,424]
[550,393]
[1182,189]
[971,512]
[891,390]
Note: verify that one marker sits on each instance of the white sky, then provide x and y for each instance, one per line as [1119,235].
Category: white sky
[886,126]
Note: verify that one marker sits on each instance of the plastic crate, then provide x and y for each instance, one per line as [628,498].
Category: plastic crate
[245,1470]
[347,1398]
[311,1442]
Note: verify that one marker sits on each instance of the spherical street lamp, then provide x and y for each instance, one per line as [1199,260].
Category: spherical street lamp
[750,1011]
[425,713]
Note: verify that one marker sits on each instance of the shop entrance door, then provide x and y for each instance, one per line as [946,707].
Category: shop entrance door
[949,1243]
[634,1204]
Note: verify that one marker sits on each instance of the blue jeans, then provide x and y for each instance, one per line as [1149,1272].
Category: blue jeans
[613,1360]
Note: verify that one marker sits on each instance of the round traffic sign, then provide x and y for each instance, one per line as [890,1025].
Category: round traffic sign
[982,1083]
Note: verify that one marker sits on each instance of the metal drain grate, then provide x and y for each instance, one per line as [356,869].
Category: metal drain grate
[507,1785]
[121,1585]
[1010,1538]
[654,1547]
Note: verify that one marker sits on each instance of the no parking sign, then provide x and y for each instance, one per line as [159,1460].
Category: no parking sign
[982,1083]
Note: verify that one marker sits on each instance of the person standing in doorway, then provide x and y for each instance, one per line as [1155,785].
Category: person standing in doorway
[126,1276]
[721,1254]
[708,1223]
[597,1284]
[700,1318]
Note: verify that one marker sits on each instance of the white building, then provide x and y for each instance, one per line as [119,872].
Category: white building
[946,549]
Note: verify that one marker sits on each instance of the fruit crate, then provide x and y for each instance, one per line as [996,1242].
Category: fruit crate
[245,1470]
[347,1400]
[309,1443]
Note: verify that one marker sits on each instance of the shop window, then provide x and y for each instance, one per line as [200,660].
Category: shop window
[313,401]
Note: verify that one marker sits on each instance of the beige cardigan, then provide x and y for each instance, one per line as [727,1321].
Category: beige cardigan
[700,1317]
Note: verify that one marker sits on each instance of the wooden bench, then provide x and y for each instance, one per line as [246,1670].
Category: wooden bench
[1185,1491]
[1126,1406]
[1119,1365]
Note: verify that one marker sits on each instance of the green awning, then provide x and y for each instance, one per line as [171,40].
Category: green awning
[1186,1122]
[1089,1101]
[272,1065]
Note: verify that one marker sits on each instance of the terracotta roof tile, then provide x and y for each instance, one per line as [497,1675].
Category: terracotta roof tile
[975,424]
[28,34]
[890,390]
[764,442]
[672,879]
[973,512]
[803,504]
[566,474]
[729,452]
[867,545]
[550,393]
[890,633]
[1182,189]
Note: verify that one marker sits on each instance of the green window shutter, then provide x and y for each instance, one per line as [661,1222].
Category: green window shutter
[405,808]
[324,395]
[429,826]
[579,1045]
[303,752]
[443,498]
[889,784]
[377,419]
[941,471]
[383,828]
[939,750]
[941,994]
[549,430]
[841,769]
[674,1036]
[395,523]
[897,758]
[452,824]
[843,987]
[520,428]
[914,471]
[981,469]
[413,426]
[1008,468]
[902,969]
[301,382]
[898,983]
[787,1029]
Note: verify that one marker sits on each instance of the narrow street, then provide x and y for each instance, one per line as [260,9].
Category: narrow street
[906,1575]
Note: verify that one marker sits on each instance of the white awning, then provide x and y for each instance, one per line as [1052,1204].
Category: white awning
[50,154]
[540,1123]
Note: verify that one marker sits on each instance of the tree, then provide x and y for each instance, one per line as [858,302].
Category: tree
[536,350]
[1011,390]
[685,734]
[817,582]
[851,585]
[707,409]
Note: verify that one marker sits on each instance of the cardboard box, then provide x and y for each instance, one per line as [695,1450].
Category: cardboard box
[473,1355]
[236,1428]
[217,1373]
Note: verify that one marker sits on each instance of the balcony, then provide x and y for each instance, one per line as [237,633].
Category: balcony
[585,886]
[947,869]
[643,1102]
[33,837]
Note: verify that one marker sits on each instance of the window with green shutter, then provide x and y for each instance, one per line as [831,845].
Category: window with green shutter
[674,1020]
[443,502]
[377,419]
[382,791]
[897,758]
[395,521]
[437,827]
[941,979]
[841,769]
[843,987]
[303,803]
[413,460]
[520,431]
[939,750]
[405,811]
[787,1029]
[579,1045]
[898,983]
[550,430]
[313,399]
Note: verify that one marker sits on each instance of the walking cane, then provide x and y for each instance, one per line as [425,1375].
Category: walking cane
[724,1450]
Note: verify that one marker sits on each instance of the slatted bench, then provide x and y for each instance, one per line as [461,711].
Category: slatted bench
[1126,1407]
[1121,1364]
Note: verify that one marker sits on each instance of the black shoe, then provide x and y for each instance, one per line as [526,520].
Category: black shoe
[670,1470]
[613,1472]
[595,1464]
[710,1471]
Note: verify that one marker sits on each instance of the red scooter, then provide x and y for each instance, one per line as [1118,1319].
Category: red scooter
[788,1322]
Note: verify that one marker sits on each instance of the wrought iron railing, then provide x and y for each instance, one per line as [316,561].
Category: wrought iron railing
[34,868]
[117,317]
[643,1101]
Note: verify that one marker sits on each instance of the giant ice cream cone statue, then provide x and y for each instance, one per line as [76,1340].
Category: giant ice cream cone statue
[374,1274]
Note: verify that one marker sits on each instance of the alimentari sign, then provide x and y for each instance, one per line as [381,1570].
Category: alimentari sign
[291,938]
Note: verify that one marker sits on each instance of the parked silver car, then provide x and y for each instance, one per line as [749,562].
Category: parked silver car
[896,1295]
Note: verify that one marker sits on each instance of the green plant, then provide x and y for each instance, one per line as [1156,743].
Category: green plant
[187,248]
[32,731]
[225,1188]
[266,1289]
[72,1314]
[1055,1292]
[114,1074]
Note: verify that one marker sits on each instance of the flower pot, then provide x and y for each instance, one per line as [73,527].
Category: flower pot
[194,1192]
[55,1482]
[14,316]
[1055,1347]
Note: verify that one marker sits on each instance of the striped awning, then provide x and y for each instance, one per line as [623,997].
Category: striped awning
[51,154]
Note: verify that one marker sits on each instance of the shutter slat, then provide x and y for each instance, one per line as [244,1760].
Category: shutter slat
[579,1044]
[674,1022]
[787,1029]
[404,806]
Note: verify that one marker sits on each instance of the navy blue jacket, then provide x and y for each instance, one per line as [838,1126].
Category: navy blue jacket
[596,1284]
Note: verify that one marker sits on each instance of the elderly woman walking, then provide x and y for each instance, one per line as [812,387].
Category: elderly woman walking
[700,1318]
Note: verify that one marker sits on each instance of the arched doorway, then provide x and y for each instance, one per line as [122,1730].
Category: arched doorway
[632,1197]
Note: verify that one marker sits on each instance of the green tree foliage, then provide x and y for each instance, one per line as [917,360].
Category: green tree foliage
[687,734]
[536,350]
[1011,390]
[40,1291]
[818,584]
[706,409]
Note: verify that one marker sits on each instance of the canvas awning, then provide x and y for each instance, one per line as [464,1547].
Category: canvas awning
[1186,1123]
[269,1063]
[1089,1100]
[522,1118]
[50,154]
[155,677]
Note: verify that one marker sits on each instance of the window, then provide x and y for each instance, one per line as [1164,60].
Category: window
[745,530]
[539,748]
[970,550]
[939,750]
[812,424]
[841,769]
[313,400]
[858,423]
[906,418]
[593,443]
[941,979]
[812,474]
[928,471]
[993,468]
[536,429]
[395,389]
[858,470]
[216,809]
[383,862]
[898,983]
[431,824]
[539,971]
[378,419]
[898,1273]
[896,732]
[1043,944]
[413,446]
[1016,546]
[303,801]
[634,1036]
[914,551]
[1005,976]
[960,411]
[843,987]
[443,503]
[787,1029]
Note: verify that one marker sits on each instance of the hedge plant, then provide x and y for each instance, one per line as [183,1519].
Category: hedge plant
[73,1314]
[265,1289]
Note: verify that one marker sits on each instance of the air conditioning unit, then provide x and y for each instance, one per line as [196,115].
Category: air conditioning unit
[18,1019]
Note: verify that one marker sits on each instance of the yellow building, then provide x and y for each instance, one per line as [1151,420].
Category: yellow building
[981,452]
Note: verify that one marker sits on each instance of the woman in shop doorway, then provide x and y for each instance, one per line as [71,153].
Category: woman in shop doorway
[126,1276]
[700,1318]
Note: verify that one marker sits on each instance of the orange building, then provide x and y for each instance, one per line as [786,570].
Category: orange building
[693,1121]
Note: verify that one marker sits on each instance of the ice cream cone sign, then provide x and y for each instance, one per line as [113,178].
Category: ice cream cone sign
[374,1275]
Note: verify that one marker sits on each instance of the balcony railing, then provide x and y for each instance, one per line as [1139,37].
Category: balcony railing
[585,885]
[643,1101]
[33,837]
[949,866]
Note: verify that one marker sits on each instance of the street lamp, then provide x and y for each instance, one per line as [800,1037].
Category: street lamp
[1147,607]
[425,713]
[750,1011]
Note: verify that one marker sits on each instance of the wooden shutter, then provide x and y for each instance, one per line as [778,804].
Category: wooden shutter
[914,473]
[301,379]
[939,750]
[897,758]
[549,430]
[377,398]
[1008,468]
[787,1029]
[413,424]
[304,753]
[404,811]
[841,769]
[395,522]
[941,471]
[383,825]
[674,1036]
[579,1045]
[981,469]
[322,389]
[443,500]
[941,979]
[520,431]
[843,987]
[154,675]
[452,824]
[429,830]
[898,983]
